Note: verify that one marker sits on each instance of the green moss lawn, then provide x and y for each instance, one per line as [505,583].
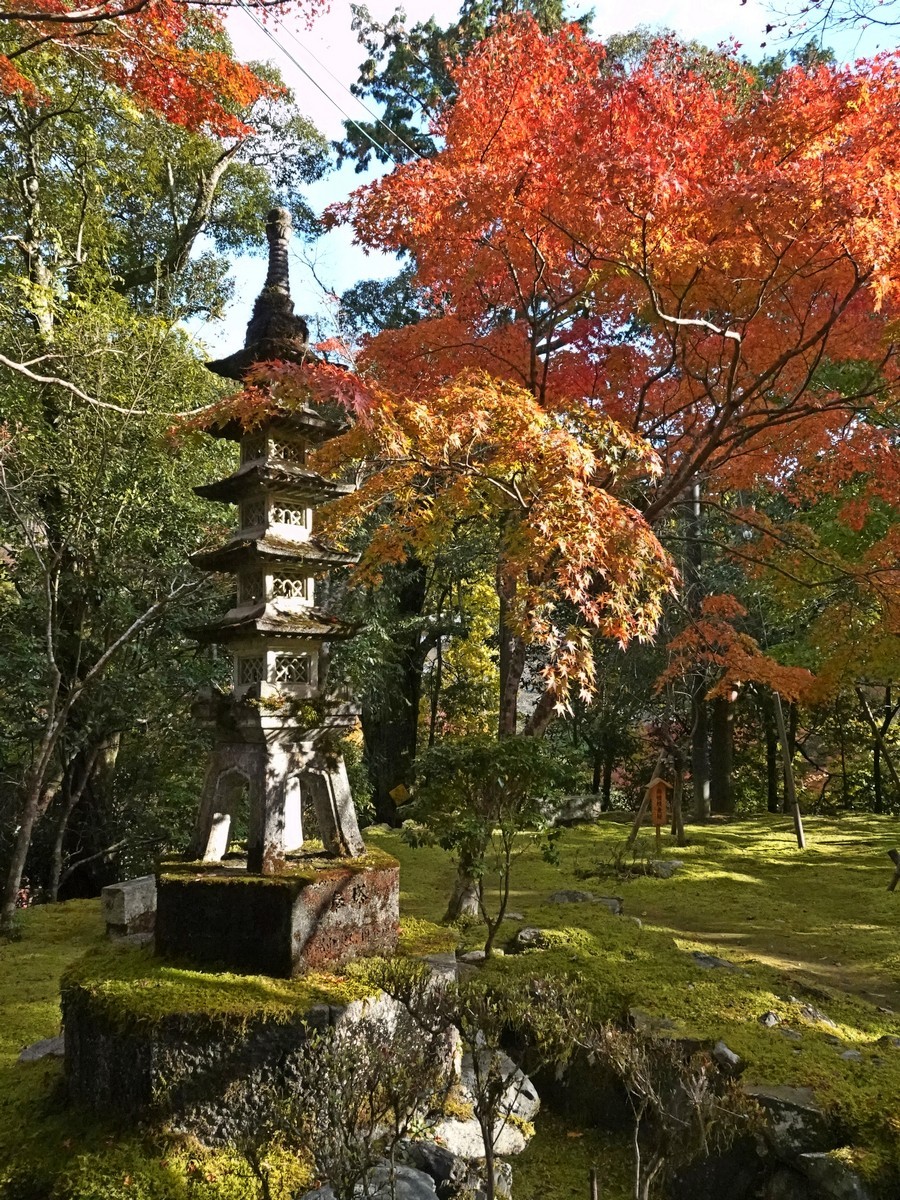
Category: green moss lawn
[818,926]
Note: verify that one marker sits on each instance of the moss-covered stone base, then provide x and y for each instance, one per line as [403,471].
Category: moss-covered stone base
[200,1075]
[199,1051]
[317,914]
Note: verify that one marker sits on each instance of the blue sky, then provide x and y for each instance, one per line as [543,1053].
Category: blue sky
[329,49]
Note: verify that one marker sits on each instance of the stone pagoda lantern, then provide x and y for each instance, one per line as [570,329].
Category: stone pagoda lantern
[276,732]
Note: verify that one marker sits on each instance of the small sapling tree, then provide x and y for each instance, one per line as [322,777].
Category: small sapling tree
[487,802]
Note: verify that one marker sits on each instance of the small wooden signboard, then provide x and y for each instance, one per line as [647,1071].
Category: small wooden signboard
[658,795]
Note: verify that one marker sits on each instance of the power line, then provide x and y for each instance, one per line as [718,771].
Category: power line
[303,71]
[374,115]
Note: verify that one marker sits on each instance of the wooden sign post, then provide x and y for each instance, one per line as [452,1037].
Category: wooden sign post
[658,796]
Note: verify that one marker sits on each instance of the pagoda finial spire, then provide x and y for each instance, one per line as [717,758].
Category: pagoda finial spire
[274,331]
[278,232]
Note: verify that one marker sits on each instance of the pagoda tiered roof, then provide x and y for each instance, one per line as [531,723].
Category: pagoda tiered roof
[314,426]
[272,621]
[242,552]
[292,481]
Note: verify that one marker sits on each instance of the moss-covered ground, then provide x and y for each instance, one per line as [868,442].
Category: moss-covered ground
[816,925]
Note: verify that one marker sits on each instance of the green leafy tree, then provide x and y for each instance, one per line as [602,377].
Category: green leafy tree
[487,802]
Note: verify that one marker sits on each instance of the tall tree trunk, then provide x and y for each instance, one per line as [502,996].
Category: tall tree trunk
[465,900]
[599,759]
[609,760]
[693,566]
[700,748]
[83,770]
[791,734]
[773,800]
[678,798]
[512,659]
[790,793]
[721,755]
[390,716]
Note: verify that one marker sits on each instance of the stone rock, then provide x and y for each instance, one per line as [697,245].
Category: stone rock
[436,1161]
[130,906]
[472,957]
[665,868]
[442,967]
[735,1174]
[851,1056]
[567,896]
[726,1058]
[889,1040]
[796,1124]
[502,1184]
[518,1106]
[833,1178]
[577,810]
[514,916]
[791,1034]
[463,1138]
[529,938]
[810,1013]
[769,1019]
[634,921]
[520,1099]
[408,1184]
[648,1025]
[786,1184]
[710,962]
[54,1047]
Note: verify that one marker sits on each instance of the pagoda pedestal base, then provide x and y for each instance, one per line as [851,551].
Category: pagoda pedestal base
[315,915]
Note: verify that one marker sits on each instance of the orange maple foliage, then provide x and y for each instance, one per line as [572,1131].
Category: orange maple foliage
[700,274]
[145,47]
[482,449]
[684,254]
[735,658]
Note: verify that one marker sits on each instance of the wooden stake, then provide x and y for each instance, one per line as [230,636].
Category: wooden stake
[645,803]
[595,1184]
[790,790]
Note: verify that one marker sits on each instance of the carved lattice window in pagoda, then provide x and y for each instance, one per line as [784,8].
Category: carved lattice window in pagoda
[284,515]
[253,513]
[290,452]
[250,670]
[288,587]
[253,448]
[293,668]
[250,589]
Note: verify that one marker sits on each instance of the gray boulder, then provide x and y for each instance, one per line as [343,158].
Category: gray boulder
[408,1184]
[529,938]
[665,868]
[796,1123]
[832,1178]
[577,810]
[726,1058]
[567,896]
[54,1047]
[710,962]
[518,1107]
[455,1177]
